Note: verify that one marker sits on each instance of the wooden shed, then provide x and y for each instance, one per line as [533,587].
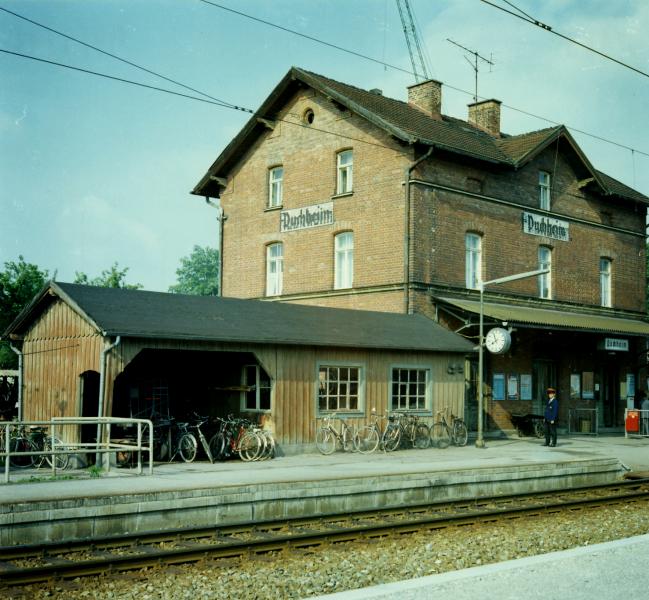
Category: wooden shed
[89,351]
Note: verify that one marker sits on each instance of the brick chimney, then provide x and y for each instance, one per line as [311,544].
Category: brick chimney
[486,115]
[427,96]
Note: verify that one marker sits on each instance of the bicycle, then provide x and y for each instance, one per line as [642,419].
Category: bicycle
[328,437]
[368,438]
[181,442]
[405,428]
[37,440]
[442,434]
[199,422]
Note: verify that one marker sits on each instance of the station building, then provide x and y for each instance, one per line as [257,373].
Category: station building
[335,196]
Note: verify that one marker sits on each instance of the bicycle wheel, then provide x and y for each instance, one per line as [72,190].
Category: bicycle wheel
[348,440]
[460,433]
[440,436]
[391,438]
[218,444]
[251,446]
[325,441]
[421,438]
[366,440]
[187,447]
[60,460]
[22,444]
[269,449]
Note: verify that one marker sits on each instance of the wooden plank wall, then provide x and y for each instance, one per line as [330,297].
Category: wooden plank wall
[57,349]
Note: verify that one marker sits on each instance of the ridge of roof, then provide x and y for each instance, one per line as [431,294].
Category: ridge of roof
[147,314]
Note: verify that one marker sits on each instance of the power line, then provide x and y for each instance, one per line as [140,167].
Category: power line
[128,62]
[122,80]
[533,21]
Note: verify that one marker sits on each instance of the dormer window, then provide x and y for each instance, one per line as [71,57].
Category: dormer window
[544,190]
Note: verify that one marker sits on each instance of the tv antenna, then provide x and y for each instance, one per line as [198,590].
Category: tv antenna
[474,64]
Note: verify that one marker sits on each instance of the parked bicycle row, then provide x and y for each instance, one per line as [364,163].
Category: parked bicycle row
[390,432]
[33,447]
[219,439]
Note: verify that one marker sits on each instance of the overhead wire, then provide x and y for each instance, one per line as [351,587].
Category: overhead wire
[549,29]
[224,104]
[111,55]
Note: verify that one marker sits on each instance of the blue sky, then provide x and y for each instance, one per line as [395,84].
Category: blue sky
[93,171]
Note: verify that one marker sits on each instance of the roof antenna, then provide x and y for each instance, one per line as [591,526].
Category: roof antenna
[474,64]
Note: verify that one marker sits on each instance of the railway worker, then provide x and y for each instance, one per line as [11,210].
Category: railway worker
[551,416]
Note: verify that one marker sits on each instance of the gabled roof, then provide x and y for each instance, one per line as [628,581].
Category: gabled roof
[406,124]
[142,314]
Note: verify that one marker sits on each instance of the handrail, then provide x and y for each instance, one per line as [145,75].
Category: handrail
[70,448]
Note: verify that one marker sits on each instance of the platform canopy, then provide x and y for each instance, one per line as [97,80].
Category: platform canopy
[526,316]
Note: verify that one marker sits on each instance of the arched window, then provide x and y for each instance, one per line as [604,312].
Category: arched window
[545,281]
[274,268]
[345,172]
[344,260]
[473,261]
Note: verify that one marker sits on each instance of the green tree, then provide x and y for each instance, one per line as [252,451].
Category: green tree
[19,283]
[113,278]
[198,273]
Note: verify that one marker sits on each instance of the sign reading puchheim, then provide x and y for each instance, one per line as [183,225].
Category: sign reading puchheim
[545,226]
[308,216]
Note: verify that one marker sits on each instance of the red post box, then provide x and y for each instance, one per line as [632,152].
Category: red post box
[632,424]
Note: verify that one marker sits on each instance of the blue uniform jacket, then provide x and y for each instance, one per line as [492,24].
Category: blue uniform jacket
[552,409]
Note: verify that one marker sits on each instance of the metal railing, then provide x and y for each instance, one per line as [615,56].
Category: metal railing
[636,422]
[583,421]
[59,432]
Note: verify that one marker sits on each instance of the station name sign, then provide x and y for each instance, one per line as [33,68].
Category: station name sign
[306,217]
[546,226]
[615,345]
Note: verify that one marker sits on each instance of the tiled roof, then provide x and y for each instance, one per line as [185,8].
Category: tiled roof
[136,313]
[411,125]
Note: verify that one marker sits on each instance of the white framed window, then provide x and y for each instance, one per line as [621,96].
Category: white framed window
[345,172]
[275,186]
[256,398]
[274,269]
[545,281]
[605,273]
[344,260]
[410,388]
[544,190]
[340,387]
[473,262]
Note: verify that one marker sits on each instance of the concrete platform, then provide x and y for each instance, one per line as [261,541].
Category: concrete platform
[201,494]
[608,571]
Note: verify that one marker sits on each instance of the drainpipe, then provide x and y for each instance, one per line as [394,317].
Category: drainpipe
[406,240]
[102,391]
[221,218]
[20,380]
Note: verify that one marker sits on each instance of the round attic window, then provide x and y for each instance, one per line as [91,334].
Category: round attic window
[309,116]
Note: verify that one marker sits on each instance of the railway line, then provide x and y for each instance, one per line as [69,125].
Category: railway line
[23,565]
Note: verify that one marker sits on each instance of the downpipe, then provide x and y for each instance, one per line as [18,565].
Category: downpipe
[20,380]
[102,393]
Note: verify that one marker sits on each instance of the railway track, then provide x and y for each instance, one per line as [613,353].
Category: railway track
[22,565]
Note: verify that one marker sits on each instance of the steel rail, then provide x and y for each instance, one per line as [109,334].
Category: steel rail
[260,538]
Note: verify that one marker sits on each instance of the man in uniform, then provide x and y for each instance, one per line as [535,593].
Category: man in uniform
[551,416]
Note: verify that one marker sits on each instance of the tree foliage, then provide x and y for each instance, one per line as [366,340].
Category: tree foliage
[198,273]
[19,283]
[112,278]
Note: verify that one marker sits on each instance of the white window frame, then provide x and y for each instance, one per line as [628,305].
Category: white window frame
[261,385]
[275,187]
[345,172]
[344,260]
[324,383]
[545,200]
[605,281]
[545,280]
[404,388]
[473,260]
[274,269]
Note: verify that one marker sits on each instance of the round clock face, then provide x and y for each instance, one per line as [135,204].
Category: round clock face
[498,340]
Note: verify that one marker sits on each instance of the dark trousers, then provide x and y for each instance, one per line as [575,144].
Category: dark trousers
[550,433]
